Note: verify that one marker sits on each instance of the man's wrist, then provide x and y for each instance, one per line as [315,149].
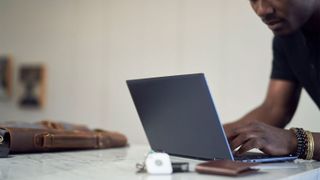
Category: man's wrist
[293,143]
[304,144]
[301,142]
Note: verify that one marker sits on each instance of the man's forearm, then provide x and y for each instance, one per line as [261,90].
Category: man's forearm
[278,107]
[273,116]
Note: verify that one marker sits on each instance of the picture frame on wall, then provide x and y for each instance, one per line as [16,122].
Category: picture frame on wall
[33,81]
[5,77]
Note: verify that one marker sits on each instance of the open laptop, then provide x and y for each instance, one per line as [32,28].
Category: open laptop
[180,118]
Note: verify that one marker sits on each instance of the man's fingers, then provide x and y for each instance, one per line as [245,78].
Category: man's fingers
[237,141]
[228,129]
[250,144]
[232,134]
[242,138]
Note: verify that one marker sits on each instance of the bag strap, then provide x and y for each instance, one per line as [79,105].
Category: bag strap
[73,140]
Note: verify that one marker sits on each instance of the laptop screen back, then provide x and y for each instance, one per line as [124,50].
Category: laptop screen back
[179,116]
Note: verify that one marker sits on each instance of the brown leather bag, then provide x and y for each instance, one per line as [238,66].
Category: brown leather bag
[46,136]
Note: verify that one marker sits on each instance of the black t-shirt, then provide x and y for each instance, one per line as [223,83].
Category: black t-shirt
[296,58]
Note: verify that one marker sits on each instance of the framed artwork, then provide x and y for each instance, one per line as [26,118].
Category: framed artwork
[33,81]
[5,77]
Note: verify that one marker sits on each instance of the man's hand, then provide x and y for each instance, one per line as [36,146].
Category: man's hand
[270,140]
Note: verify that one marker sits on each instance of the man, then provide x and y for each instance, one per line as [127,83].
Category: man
[296,65]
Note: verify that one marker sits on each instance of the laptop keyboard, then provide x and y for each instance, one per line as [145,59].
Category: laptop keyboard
[252,155]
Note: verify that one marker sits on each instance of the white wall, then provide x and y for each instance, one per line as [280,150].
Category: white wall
[92,46]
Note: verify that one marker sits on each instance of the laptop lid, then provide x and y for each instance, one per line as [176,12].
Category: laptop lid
[179,116]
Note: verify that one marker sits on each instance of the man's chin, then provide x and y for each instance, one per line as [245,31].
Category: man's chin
[282,32]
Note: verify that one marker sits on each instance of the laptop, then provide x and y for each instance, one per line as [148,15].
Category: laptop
[179,118]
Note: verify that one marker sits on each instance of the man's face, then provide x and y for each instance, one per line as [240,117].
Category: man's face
[283,16]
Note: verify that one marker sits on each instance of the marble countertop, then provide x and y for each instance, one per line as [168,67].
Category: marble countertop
[120,164]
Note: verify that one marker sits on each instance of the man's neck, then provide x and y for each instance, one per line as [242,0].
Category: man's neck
[313,24]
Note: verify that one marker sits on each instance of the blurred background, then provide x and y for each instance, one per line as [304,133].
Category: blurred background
[90,47]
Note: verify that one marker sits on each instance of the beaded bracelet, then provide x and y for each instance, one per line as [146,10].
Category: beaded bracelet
[302,142]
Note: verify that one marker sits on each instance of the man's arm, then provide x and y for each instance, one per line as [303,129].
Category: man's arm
[262,127]
[277,109]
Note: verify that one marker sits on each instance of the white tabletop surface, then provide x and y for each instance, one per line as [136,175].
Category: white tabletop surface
[113,164]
